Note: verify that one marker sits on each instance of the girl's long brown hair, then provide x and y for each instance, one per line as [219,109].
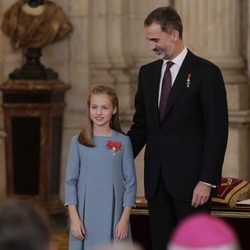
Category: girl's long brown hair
[86,135]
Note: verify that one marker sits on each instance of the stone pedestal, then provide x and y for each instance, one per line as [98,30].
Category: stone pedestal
[33,113]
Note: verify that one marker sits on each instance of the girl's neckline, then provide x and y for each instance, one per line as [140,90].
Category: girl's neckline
[105,136]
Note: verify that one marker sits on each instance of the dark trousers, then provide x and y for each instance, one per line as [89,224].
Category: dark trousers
[165,213]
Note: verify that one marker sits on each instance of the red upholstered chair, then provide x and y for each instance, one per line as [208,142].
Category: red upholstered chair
[230,191]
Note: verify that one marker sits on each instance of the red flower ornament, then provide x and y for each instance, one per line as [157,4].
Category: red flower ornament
[115,146]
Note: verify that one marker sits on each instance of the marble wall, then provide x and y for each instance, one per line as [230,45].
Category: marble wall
[216,30]
[108,46]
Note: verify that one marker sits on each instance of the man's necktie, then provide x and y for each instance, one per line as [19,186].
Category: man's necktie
[165,89]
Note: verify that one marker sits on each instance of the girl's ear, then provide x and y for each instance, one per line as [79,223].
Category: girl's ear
[115,110]
[53,246]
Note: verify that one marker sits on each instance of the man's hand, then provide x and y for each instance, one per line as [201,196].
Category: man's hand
[201,194]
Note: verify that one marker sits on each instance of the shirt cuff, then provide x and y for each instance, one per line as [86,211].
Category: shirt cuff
[208,184]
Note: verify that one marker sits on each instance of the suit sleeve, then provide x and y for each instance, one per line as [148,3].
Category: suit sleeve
[138,130]
[72,174]
[129,176]
[215,115]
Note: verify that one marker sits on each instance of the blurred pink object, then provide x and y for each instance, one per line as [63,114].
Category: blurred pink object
[202,231]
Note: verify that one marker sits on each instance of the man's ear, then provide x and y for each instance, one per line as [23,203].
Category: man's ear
[175,35]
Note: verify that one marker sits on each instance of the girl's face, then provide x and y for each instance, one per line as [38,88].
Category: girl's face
[101,110]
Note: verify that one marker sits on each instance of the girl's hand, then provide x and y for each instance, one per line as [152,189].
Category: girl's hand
[77,228]
[121,231]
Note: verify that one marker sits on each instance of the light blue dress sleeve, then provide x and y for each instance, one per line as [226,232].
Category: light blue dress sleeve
[129,175]
[72,174]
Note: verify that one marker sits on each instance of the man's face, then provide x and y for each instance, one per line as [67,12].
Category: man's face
[162,43]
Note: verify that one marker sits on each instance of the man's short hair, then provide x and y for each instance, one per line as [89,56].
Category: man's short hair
[167,17]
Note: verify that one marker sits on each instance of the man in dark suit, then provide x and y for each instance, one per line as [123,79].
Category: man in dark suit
[181,116]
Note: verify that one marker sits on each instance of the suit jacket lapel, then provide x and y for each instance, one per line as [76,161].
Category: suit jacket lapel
[180,82]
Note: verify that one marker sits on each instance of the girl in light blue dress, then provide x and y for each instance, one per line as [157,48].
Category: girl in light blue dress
[100,186]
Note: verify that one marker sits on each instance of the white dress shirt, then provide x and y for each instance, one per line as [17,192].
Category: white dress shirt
[173,70]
